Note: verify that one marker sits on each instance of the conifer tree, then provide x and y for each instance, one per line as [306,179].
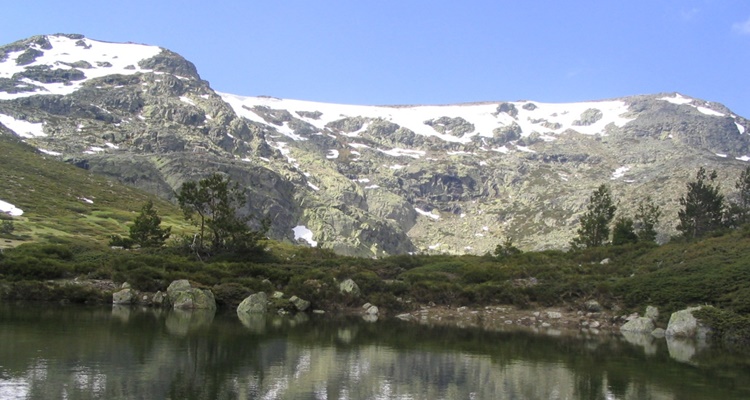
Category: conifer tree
[623,232]
[738,213]
[646,218]
[146,230]
[703,206]
[213,203]
[594,230]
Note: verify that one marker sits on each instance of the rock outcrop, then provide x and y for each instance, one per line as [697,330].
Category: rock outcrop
[684,324]
[254,304]
[638,325]
[183,296]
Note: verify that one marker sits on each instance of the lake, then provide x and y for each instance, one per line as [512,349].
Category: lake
[104,352]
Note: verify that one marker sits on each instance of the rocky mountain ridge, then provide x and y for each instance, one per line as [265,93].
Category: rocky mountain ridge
[363,180]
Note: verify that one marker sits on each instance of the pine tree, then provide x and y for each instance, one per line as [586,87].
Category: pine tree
[213,203]
[623,232]
[646,218]
[703,206]
[146,230]
[738,213]
[594,230]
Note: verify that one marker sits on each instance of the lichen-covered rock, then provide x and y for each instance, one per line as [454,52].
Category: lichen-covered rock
[124,296]
[185,297]
[589,117]
[254,304]
[684,324]
[652,313]
[299,304]
[638,325]
[349,287]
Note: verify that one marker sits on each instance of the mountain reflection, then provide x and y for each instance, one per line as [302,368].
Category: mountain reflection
[127,353]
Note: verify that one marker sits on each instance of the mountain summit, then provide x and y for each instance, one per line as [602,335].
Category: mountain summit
[363,180]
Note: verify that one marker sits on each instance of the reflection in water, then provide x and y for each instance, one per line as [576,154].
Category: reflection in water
[143,353]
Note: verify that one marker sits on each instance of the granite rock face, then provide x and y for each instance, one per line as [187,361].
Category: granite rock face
[363,180]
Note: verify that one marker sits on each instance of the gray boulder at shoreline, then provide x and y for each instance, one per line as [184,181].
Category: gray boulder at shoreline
[185,297]
[684,324]
[254,304]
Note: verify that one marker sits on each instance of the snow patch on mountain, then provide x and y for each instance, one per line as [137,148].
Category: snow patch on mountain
[682,100]
[302,232]
[23,128]
[100,59]
[8,208]
[549,119]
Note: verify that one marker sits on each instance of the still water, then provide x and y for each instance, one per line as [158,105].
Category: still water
[56,352]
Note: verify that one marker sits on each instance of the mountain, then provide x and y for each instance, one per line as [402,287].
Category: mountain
[363,180]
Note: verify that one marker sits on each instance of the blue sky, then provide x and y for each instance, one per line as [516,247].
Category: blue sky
[430,52]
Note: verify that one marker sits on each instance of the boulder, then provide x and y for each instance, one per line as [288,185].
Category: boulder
[254,304]
[124,296]
[185,297]
[554,315]
[372,310]
[684,324]
[638,325]
[299,304]
[349,287]
[159,298]
[652,313]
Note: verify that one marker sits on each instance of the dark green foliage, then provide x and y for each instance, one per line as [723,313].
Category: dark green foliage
[213,203]
[646,218]
[7,227]
[738,212]
[623,232]
[594,230]
[506,249]
[702,207]
[731,327]
[119,241]
[146,230]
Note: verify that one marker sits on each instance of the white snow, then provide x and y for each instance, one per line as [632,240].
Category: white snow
[681,100]
[721,155]
[65,50]
[86,200]
[677,99]
[743,158]
[332,154]
[187,100]
[50,152]
[315,188]
[112,146]
[22,128]
[396,166]
[619,173]
[403,153]
[740,128]
[709,111]
[483,116]
[8,208]
[434,246]
[427,214]
[372,187]
[302,232]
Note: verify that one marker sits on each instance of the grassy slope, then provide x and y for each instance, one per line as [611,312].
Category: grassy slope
[51,195]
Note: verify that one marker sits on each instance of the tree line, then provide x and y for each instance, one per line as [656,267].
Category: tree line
[703,210]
